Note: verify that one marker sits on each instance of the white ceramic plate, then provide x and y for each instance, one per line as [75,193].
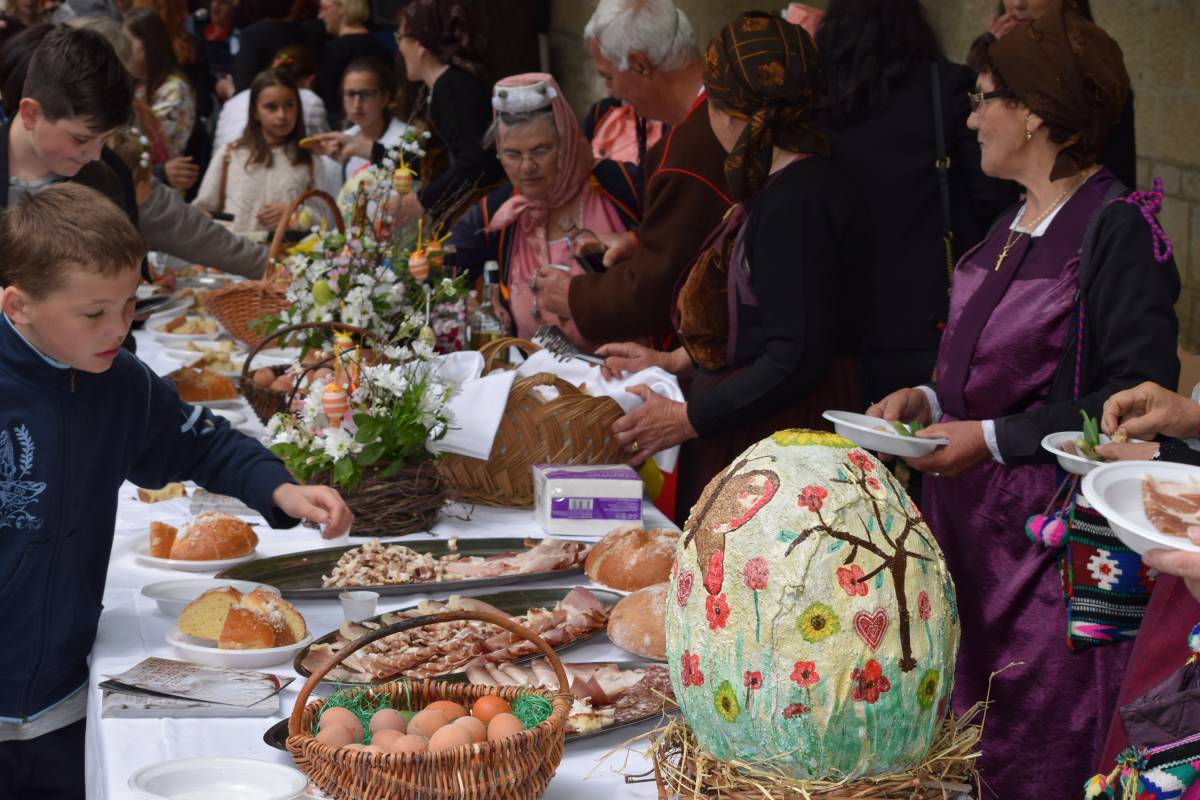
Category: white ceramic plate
[1072,463]
[173,307]
[1115,491]
[142,554]
[872,433]
[235,418]
[218,779]
[173,596]
[203,651]
[156,328]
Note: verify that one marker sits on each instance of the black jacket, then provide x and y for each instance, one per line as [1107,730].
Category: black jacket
[892,153]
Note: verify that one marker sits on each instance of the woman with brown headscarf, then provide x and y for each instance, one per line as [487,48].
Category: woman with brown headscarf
[763,337]
[1069,300]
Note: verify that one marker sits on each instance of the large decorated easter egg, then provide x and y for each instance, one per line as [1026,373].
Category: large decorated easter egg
[811,622]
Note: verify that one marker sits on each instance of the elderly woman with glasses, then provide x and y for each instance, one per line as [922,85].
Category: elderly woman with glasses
[559,201]
[1068,300]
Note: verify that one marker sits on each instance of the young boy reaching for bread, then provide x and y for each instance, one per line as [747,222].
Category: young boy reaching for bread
[79,416]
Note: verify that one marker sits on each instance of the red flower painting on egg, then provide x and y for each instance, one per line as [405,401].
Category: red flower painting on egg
[852,580]
[689,668]
[812,498]
[717,609]
[871,682]
[756,573]
[861,460]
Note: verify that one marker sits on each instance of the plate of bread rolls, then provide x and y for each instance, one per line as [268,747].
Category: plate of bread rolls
[212,541]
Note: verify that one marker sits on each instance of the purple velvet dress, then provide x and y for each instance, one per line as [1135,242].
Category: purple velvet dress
[1004,340]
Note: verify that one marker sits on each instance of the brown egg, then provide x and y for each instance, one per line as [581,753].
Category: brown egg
[385,737]
[335,735]
[489,706]
[427,722]
[337,715]
[264,377]
[451,709]
[503,726]
[476,728]
[388,719]
[282,384]
[409,743]
[448,737]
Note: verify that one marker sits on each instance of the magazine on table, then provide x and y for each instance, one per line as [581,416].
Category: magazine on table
[164,687]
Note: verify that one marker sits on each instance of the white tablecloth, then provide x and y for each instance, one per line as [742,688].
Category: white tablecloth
[132,628]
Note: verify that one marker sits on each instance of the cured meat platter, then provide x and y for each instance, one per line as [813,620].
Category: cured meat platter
[394,568]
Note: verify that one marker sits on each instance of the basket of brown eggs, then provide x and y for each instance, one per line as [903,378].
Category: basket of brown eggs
[432,740]
[270,390]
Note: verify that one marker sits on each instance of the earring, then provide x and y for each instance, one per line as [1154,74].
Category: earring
[1028,135]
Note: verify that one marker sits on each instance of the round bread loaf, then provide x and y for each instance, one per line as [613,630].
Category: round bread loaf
[284,618]
[205,616]
[631,558]
[213,536]
[637,622]
[246,630]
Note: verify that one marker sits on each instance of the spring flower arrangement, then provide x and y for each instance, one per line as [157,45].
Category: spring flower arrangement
[366,429]
[389,281]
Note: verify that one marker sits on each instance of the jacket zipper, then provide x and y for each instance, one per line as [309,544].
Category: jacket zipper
[54,547]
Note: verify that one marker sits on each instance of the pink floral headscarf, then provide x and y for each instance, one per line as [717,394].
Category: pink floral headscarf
[575,163]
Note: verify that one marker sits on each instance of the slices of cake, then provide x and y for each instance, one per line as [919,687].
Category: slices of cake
[205,616]
[243,622]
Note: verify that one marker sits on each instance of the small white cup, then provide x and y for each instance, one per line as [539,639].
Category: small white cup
[338,541]
[358,605]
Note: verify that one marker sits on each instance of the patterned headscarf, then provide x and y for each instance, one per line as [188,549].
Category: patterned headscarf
[1071,74]
[446,29]
[764,69]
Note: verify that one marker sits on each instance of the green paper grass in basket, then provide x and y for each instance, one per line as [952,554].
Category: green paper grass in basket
[532,710]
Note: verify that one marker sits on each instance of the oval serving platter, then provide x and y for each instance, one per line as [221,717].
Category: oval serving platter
[276,736]
[298,575]
[513,603]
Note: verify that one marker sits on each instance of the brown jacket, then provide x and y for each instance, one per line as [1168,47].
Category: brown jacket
[686,197]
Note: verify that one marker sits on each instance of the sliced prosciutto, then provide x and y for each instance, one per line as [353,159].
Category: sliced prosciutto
[1171,507]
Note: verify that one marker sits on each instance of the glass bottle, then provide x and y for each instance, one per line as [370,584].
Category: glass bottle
[485,325]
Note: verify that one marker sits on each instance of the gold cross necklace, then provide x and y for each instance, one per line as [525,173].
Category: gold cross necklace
[1014,234]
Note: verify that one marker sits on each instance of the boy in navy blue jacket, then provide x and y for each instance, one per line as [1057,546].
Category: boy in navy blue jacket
[79,416]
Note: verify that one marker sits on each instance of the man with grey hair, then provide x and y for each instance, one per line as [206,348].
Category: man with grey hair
[646,52]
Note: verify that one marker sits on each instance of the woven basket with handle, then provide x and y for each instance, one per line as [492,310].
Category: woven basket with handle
[268,402]
[240,306]
[518,767]
[573,428]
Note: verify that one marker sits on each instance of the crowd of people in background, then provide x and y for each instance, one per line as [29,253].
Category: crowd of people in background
[794,217]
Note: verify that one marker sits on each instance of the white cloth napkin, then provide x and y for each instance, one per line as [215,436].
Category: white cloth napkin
[476,407]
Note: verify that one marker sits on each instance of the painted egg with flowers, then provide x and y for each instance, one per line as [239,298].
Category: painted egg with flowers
[812,620]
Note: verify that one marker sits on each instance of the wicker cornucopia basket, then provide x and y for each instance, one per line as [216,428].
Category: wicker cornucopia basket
[240,306]
[518,767]
[572,428]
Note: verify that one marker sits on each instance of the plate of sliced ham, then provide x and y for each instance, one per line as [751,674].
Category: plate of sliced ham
[562,617]
[1149,504]
[608,695]
[393,568]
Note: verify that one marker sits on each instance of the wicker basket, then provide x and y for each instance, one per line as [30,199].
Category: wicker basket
[518,767]
[268,402]
[573,428]
[240,306]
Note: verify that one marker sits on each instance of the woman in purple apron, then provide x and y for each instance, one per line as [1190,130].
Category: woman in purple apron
[1062,305]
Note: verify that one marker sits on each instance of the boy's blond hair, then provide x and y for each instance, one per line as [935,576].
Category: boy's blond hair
[63,226]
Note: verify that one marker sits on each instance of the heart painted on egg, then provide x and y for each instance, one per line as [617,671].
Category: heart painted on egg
[871,627]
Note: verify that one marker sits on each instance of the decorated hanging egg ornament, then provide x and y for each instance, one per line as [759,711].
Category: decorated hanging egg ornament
[418,265]
[335,402]
[436,257]
[402,180]
[811,622]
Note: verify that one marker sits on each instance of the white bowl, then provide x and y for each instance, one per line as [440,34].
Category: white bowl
[1072,463]
[204,651]
[173,596]
[218,779]
[1115,491]
[142,554]
[156,328]
[873,433]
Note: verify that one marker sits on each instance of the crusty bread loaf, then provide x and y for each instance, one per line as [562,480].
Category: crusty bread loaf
[246,630]
[162,537]
[213,536]
[631,558]
[200,385]
[287,621]
[205,616]
[168,492]
[638,622]
[243,622]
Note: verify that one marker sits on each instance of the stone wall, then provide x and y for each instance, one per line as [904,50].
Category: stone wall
[1162,54]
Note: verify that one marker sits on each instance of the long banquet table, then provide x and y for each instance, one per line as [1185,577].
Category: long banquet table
[132,628]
